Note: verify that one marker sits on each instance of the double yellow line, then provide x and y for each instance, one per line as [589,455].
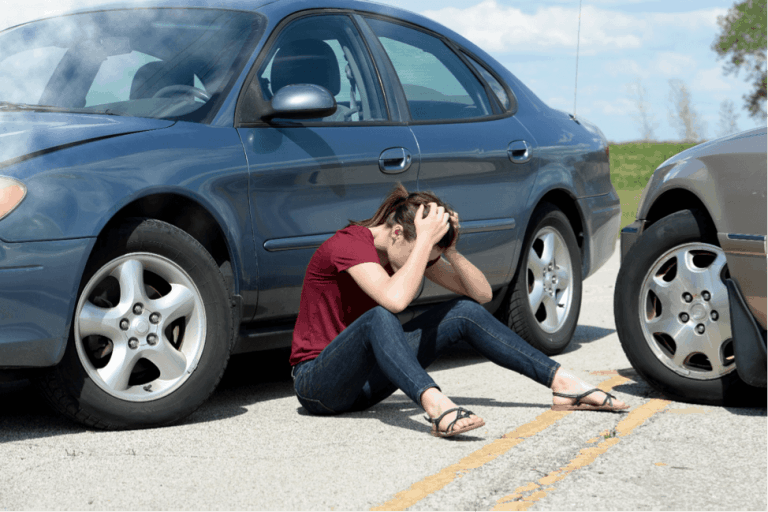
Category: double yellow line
[525,496]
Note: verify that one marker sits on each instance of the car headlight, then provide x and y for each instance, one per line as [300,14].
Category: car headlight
[12,193]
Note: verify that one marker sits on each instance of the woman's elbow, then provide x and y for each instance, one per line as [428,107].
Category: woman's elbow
[393,306]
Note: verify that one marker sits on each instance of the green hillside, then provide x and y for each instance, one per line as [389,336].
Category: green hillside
[632,165]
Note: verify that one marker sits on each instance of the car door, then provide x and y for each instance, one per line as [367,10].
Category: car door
[474,154]
[308,178]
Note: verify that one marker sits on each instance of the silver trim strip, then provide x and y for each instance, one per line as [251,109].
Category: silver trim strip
[315,241]
[296,243]
[758,238]
[482,226]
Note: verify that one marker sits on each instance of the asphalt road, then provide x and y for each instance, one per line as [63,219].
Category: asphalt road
[251,446]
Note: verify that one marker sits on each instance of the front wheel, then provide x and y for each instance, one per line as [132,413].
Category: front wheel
[151,334]
[672,312]
[545,297]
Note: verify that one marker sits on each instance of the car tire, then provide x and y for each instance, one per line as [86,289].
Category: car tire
[544,299]
[672,312]
[152,331]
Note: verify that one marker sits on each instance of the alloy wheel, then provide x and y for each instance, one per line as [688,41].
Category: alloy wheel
[140,327]
[549,279]
[685,314]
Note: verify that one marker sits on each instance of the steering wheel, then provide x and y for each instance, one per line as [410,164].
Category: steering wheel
[182,89]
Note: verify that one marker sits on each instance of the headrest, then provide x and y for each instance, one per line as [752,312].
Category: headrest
[306,62]
[153,76]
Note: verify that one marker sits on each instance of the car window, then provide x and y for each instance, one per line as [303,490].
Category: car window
[24,75]
[326,50]
[160,63]
[114,78]
[437,84]
[117,77]
[496,87]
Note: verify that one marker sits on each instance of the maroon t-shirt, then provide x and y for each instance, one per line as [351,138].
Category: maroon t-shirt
[330,297]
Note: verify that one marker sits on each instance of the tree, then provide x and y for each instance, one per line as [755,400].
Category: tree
[644,117]
[743,41]
[682,116]
[728,118]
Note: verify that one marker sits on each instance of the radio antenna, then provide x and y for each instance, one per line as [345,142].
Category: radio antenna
[576,83]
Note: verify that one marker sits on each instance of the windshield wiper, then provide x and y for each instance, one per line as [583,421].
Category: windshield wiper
[9,106]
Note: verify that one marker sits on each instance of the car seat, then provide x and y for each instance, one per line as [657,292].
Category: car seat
[154,76]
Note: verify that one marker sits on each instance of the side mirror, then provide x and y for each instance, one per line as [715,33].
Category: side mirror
[301,101]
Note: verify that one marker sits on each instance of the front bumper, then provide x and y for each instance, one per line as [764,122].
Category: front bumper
[602,218]
[38,291]
[629,235]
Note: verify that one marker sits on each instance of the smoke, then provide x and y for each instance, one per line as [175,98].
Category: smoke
[14,13]
[144,63]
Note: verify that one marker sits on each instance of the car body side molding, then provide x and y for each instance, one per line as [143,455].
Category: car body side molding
[314,241]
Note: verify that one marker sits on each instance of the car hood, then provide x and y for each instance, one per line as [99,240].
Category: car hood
[25,135]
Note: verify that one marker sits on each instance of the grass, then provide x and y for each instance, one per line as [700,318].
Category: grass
[632,165]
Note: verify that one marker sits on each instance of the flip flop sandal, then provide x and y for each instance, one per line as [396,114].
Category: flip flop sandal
[450,430]
[607,404]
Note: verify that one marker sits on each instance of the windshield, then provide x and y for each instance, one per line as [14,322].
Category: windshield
[159,63]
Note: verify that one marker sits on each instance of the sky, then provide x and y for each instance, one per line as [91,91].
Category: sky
[621,43]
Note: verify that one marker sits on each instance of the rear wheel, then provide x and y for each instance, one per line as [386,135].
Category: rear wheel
[151,334]
[545,297]
[672,312]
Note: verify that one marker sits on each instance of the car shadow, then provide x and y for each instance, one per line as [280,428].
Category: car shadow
[586,334]
[751,404]
[398,411]
[249,379]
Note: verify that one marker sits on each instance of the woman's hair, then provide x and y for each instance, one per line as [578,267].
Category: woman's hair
[400,207]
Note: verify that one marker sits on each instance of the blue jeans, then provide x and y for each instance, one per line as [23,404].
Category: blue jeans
[376,355]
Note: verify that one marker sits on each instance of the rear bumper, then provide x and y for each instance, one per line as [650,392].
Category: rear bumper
[602,218]
[38,290]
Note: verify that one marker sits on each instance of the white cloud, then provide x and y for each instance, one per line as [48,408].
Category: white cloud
[622,67]
[671,64]
[616,107]
[498,28]
[713,80]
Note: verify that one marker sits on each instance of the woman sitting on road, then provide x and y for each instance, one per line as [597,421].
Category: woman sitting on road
[350,351]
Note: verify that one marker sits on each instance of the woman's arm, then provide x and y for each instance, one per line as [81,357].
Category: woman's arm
[459,275]
[396,292]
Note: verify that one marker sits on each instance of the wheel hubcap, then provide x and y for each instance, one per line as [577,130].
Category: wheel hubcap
[549,275]
[140,327]
[684,312]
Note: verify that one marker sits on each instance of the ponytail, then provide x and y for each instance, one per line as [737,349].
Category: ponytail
[400,207]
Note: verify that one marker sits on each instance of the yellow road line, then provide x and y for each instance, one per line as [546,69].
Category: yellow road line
[484,455]
[527,495]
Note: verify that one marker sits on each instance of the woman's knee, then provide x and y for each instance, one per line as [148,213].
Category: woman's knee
[381,316]
[469,307]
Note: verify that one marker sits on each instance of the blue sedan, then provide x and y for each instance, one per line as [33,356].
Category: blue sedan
[166,172]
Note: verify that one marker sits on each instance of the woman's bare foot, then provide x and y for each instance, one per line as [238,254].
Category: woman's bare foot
[567,383]
[435,404]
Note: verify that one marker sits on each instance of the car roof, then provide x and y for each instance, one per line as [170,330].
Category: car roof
[264,6]
[282,8]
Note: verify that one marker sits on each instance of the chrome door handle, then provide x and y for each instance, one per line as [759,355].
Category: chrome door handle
[519,151]
[395,160]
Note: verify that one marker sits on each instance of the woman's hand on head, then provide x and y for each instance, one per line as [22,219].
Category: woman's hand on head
[455,223]
[434,225]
